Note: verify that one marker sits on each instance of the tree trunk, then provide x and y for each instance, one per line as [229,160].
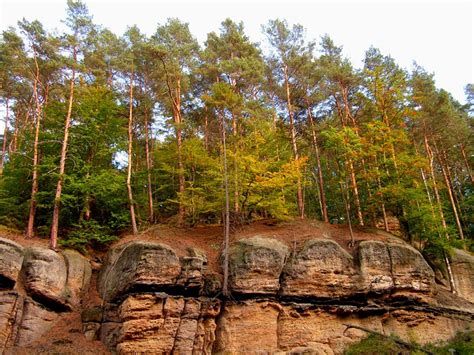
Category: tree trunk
[450,194]
[225,287]
[236,177]
[355,189]
[468,168]
[130,160]
[151,217]
[299,191]
[62,163]
[5,134]
[435,186]
[206,130]
[34,185]
[322,194]
[176,108]
[179,139]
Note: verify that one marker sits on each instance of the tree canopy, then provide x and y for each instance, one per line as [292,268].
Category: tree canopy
[106,133]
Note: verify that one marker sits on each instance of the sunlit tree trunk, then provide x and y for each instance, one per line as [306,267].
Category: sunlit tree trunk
[62,163]
[151,217]
[225,287]
[444,169]
[435,186]
[468,168]
[130,160]
[5,136]
[322,194]
[299,191]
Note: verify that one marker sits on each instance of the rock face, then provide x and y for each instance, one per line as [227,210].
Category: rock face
[410,270]
[306,301]
[255,265]
[157,324]
[322,269]
[10,262]
[38,284]
[462,265]
[375,266]
[138,264]
[299,303]
[45,276]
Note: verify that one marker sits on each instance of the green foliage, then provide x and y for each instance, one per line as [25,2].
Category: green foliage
[376,345]
[462,344]
[378,140]
[88,234]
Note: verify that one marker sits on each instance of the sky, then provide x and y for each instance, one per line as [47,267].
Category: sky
[438,35]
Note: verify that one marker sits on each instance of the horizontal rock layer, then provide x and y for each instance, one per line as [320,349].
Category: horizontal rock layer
[158,323]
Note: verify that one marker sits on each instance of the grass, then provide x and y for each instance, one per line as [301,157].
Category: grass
[461,344]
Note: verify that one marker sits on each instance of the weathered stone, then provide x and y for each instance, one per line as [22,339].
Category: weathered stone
[91,330]
[462,266]
[151,323]
[375,266]
[255,265]
[212,284]
[248,327]
[205,336]
[185,336]
[11,259]
[36,321]
[143,306]
[78,275]
[322,269]
[210,307]
[109,334]
[92,315]
[410,271]
[44,276]
[191,273]
[138,265]
[11,311]
[197,253]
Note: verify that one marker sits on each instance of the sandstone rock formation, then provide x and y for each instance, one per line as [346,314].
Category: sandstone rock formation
[37,285]
[409,269]
[303,302]
[10,262]
[375,266]
[138,264]
[462,264]
[321,269]
[300,302]
[255,265]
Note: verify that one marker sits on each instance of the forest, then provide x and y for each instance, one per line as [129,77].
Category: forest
[108,133]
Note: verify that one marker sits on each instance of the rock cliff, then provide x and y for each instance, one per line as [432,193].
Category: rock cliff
[36,286]
[285,299]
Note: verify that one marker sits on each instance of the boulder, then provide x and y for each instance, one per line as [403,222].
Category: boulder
[255,265]
[321,269]
[44,277]
[375,267]
[462,266]
[138,265]
[410,271]
[78,275]
[10,262]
